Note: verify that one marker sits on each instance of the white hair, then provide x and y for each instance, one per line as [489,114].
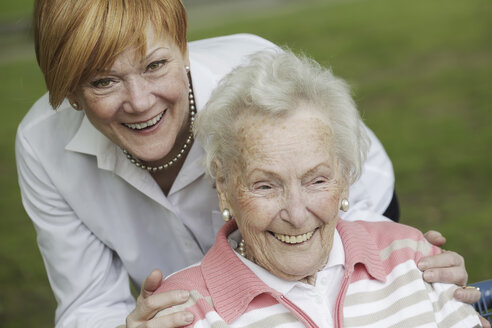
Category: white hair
[273,83]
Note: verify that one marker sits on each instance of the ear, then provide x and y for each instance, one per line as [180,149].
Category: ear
[72,98]
[221,186]
[74,101]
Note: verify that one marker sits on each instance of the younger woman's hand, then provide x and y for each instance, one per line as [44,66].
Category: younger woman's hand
[149,304]
[447,267]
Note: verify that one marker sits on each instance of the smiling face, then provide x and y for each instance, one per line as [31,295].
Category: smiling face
[284,196]
[141,104]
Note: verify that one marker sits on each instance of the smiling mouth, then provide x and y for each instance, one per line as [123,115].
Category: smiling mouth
[298,239]
[145,125]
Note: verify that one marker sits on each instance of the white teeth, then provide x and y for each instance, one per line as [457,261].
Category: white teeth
[294,239]
[140,126]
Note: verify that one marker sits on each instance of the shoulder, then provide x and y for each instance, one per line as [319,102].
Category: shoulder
[43,124]
[225,52]
[390,237]
[190,278]
[234,42]
[389,230]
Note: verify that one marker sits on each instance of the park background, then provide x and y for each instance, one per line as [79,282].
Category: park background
[421,75]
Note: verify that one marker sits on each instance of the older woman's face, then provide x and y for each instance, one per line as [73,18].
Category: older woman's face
[285,198]
[141,104]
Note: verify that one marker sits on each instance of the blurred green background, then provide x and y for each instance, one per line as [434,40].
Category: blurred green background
[421,73]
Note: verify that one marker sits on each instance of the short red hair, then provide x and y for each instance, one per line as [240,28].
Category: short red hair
[74,39]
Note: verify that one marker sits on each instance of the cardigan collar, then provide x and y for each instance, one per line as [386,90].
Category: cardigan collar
[233,286]
[360,247]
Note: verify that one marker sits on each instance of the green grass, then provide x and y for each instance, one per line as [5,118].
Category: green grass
[421,74]
[26,299]
[13,10]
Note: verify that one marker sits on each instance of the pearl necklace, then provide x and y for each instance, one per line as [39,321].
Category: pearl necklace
[241,250]
[137,163]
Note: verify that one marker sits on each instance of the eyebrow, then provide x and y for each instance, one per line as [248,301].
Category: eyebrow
[317,167]
[275,175]
[150,54]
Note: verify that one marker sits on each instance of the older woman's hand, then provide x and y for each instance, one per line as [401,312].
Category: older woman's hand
[447,267]
[149,304]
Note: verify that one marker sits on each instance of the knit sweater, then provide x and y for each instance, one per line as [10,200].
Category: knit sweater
[382,286]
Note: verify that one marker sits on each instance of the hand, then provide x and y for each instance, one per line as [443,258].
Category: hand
[447,267]
[484,322]
[149,304]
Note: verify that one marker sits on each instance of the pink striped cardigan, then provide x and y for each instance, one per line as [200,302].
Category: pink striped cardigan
[382,286]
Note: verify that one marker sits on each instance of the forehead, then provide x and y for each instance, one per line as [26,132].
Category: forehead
[303,133]
[142,43]
[138,53]
[154,36]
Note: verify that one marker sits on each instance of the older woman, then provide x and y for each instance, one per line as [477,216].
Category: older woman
[116,183]
[284,142]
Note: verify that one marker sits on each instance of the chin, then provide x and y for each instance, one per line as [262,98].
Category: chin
[149,153]
[294,275]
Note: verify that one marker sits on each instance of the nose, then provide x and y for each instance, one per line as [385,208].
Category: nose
[140,97]
[295,209]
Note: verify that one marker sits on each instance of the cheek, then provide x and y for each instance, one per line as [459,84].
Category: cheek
[172,86]
[256,213]
[324,205]
[101,110]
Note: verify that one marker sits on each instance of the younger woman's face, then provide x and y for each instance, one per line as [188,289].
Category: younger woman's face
[141,104]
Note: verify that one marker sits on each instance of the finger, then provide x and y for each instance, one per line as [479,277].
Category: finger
[485,323]
[177,319]
[435,238]
[454,275]
[467,294]
[446,259]
[151,283]
[147,307]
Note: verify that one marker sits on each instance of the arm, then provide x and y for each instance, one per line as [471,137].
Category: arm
[88,280]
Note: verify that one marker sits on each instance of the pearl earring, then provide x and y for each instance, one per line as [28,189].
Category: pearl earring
[75,105]
[226,215]
[187,68]
[345,205]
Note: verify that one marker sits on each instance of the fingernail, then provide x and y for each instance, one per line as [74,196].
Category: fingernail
[429,276]
[184,295]
[188,317]
[423,265]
